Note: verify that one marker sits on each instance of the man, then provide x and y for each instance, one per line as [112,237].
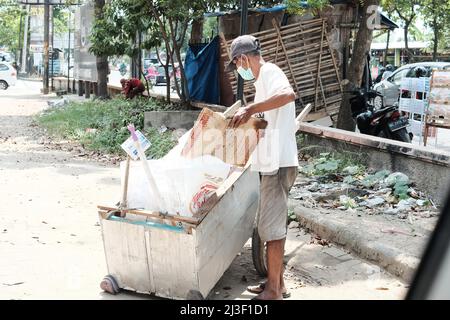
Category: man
[132,87]
[389,70]
[275,99]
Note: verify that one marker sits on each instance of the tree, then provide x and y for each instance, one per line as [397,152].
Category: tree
[358,60]
[10,14]
[436,13]
[407,11]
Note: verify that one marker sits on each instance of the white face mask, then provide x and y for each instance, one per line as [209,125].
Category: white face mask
[246,74]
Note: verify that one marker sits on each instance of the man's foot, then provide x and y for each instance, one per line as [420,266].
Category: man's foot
[260,288]
[268,295]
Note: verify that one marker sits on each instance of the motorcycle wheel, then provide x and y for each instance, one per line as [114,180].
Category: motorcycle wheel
[259,253]
[401,135]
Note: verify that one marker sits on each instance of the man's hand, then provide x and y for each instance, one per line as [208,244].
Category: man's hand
[241,117]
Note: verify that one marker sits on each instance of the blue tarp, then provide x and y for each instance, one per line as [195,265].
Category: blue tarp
[202,72]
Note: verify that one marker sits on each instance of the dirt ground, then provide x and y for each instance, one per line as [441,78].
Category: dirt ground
[51,242]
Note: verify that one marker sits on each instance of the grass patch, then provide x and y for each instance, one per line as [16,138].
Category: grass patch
[109,120]
[341,163]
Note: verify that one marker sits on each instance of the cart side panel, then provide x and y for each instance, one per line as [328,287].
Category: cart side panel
[171,259]
[225,230]
[126,255]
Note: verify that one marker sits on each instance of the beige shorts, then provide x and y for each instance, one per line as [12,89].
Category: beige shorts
[273,203]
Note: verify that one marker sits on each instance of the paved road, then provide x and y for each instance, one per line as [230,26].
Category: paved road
[51,244]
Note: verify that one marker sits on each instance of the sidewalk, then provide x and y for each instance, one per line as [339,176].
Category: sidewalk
[394,244]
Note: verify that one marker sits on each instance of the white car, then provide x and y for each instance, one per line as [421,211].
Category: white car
[390,87]
[8,75]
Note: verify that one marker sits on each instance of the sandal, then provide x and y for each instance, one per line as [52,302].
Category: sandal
[260,287]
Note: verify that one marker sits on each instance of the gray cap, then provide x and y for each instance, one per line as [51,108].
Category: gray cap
[242,45]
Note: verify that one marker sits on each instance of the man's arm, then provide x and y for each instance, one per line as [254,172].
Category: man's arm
[278,100]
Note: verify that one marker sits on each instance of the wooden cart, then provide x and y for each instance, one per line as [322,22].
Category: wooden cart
[181,257]
[178,257]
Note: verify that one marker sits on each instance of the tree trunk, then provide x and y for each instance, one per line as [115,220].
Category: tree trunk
[387,48]
[197,31]
[356,68]
[102,61]
[184,96]
[435,38]
[405,32]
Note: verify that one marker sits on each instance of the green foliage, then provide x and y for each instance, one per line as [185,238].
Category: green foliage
[115,29]
[338,163]
[301,7]
[162,143]
[10,13]
[108,118]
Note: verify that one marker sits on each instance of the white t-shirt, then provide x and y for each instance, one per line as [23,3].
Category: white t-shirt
[278,147]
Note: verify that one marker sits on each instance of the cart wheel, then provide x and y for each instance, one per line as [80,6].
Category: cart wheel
[109,284]
[259,253]
[194,295]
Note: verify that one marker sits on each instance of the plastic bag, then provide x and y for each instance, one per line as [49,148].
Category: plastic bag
[184,184]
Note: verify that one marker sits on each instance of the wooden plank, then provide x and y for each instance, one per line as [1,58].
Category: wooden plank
[334,63]
[222,36]
[275,25]
[172,264]
[214,107]
[228,113]
[318,67]
[301,117]
[226,229]
[212,271]
[126,255]
[188,220]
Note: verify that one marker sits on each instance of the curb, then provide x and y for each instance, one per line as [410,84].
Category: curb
[390,258]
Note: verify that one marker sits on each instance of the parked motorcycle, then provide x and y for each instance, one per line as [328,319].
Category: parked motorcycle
[385,122]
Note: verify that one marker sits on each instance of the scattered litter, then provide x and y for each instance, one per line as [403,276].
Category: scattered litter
[162,129]
[382,288]
[393,231]
[353,188]
[293,225]
[13,284]
[374,202]
[396,177]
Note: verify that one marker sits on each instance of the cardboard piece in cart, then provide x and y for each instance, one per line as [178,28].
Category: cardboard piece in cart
[212,135]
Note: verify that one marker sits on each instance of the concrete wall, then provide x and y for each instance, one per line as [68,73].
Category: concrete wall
[170,119]
[428,168]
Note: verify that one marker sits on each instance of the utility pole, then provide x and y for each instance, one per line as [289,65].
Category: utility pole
[19,57]
[53,44]
[23,67]
[244,14]
[68,55]
[46,42]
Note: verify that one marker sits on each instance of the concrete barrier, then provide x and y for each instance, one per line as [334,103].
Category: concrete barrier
[170,119]
[428,167]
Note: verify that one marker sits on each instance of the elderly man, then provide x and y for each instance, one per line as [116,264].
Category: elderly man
[275,101]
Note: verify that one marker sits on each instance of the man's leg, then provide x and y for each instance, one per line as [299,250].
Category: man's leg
[273,289]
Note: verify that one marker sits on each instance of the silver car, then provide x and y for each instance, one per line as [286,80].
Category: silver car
[390,87]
